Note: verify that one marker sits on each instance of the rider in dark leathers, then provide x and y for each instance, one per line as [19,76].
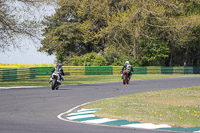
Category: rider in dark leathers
[59,70]
[127,67]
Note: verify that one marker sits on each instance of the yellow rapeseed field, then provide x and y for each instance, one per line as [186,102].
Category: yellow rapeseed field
[24,65]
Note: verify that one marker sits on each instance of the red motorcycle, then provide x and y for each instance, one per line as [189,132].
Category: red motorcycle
[125,77]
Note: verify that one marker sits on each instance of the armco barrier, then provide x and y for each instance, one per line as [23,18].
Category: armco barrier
[140,70]
[166,70]
[23,73]
[74,70]
[153,70]
[7,74]
[98,70]
[117,70]
[137,70]
[26,73]
[1,74]
[196,70]
[32,72]
[44,71]
[178,70]
[17,73]
[188,70]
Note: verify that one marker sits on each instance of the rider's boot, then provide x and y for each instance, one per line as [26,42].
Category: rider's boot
[60,81]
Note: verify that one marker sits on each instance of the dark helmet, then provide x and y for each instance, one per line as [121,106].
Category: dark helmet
[59,65]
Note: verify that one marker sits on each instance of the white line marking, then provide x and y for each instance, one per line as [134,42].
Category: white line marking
[81,113]
[80,116]
[147,126]
[14,87]
[99,121]
[85,110]
[69,111]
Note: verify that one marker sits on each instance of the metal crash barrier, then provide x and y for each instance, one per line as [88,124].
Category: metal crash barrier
[9,74]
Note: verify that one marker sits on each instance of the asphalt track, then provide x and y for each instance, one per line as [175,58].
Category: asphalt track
[35,110]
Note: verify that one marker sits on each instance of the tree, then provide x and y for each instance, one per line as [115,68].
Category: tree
[62,33]
[15,24]
[148,32]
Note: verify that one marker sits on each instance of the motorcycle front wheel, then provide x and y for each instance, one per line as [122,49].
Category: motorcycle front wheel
[53,84]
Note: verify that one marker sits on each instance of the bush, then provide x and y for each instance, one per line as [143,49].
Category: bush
[121,60]
[85,60]
[89,58]
[111,57]
[77,61]
[99,61]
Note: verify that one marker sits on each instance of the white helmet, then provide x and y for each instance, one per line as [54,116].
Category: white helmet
[127,63]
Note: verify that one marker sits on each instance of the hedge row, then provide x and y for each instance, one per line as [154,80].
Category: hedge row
[33,72]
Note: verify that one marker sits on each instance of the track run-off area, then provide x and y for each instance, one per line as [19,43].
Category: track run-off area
[35,110]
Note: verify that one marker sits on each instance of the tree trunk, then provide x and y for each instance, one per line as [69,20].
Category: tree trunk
[136,48]
[136,43]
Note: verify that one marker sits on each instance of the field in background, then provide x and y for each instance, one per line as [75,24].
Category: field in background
[24,65]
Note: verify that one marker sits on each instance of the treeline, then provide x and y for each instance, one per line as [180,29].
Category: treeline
[145,32]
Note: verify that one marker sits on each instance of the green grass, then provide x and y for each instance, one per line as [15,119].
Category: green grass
[177,107]
[44,81]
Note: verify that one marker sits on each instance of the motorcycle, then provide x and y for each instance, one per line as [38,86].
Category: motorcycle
[55,81]
[125,77]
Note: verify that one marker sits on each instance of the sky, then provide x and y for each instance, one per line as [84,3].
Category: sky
[28,53]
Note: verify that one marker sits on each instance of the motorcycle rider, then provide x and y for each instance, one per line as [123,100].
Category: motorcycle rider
[127,67]
[58,69]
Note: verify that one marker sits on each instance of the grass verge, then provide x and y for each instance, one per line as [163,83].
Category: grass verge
[176,107]
[68,80]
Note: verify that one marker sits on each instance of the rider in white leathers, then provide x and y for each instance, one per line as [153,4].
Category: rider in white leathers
[58,69]
[127,67]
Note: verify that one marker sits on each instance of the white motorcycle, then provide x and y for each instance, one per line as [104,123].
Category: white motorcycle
[55,81]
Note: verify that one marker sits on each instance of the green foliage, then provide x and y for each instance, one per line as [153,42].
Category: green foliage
[110,57]
[60,57]
[99,61]
[86,60]
[153,53]
[122,59]
[149,32]
[77,61]
[89,58]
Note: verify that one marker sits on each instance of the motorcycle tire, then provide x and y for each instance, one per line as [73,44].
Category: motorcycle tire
[127,81]
[53,84]
[124,79]
[57,88]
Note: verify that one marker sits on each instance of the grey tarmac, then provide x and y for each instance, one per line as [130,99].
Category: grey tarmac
[35,110]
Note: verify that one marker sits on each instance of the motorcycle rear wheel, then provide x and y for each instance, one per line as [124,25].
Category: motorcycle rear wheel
[124,79]
[127,80]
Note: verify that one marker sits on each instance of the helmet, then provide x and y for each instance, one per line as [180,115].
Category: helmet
[127,63]
[59,65]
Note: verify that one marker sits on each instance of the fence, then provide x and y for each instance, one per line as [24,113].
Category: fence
[17,73]
[33,72]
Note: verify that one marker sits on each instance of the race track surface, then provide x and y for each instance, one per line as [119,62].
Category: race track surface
[35,110]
